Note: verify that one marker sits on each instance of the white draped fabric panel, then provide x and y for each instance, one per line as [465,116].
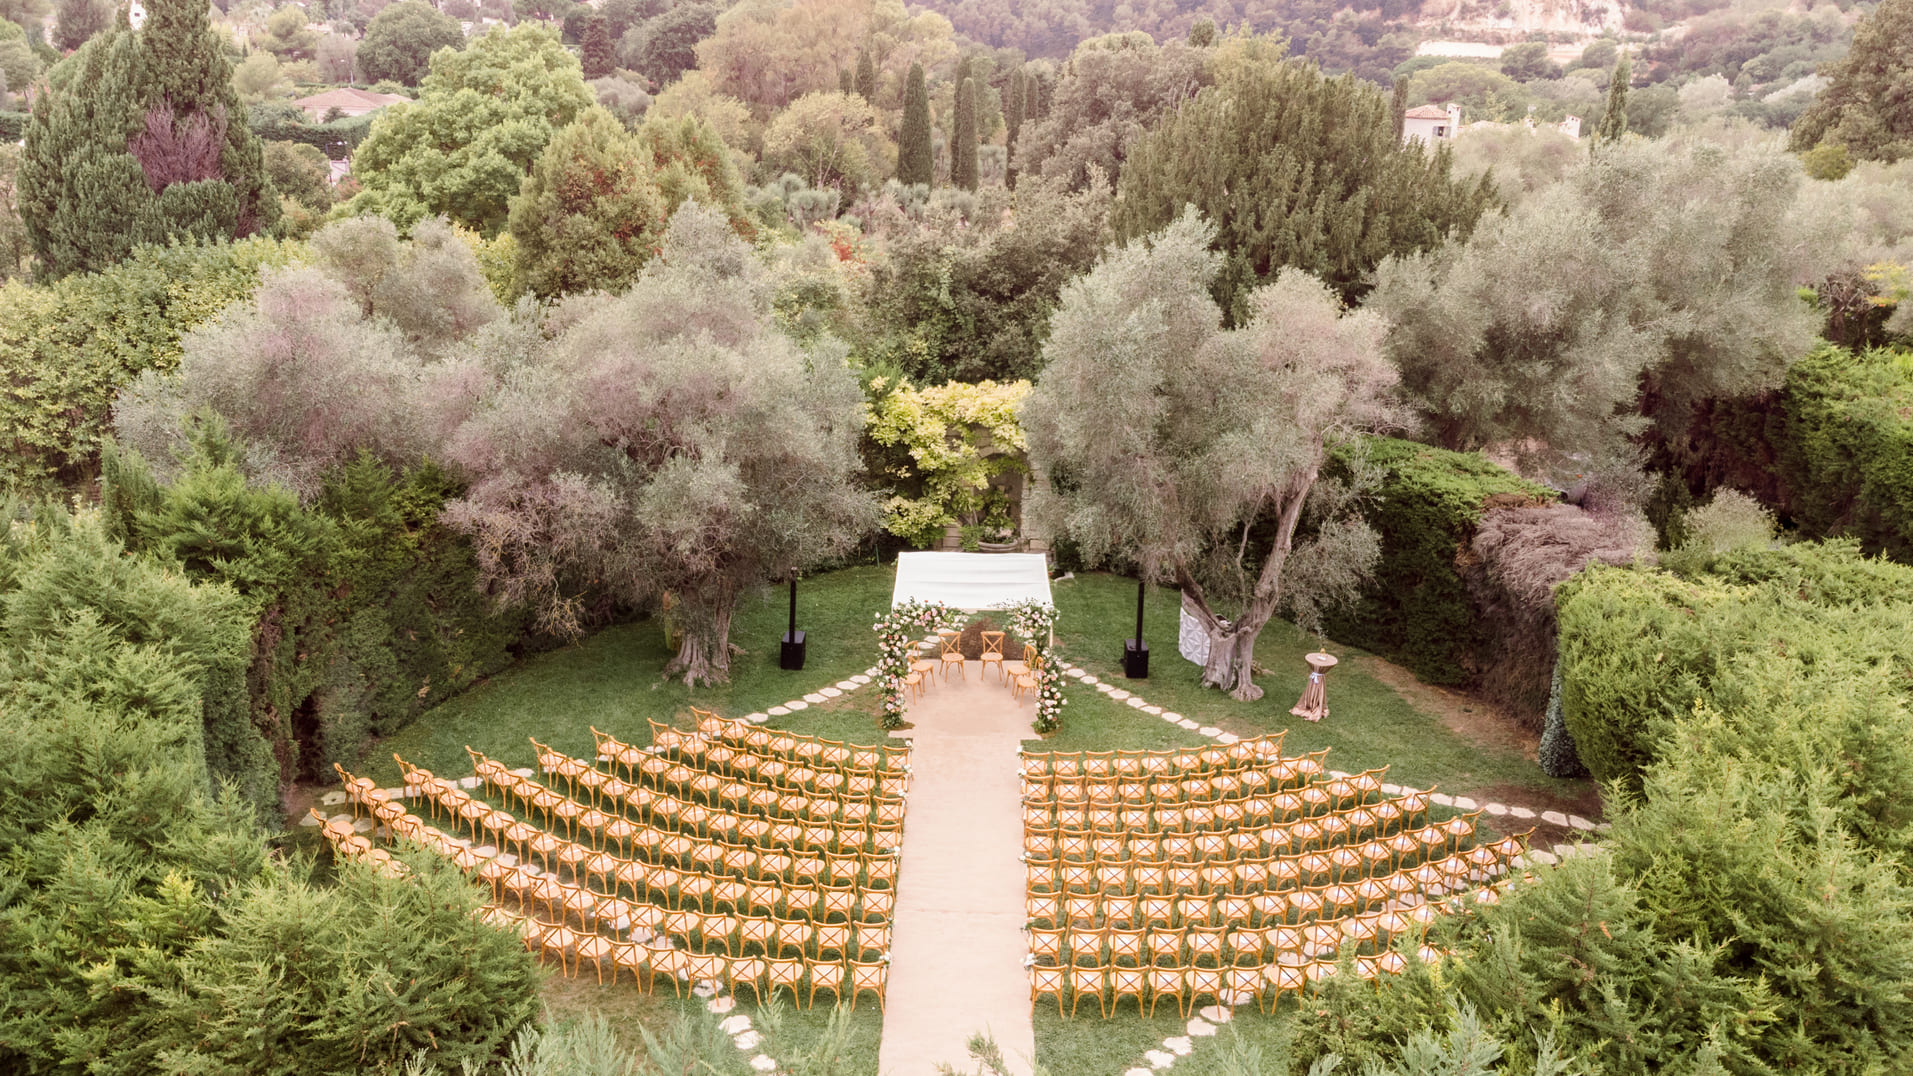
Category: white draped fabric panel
[972,581]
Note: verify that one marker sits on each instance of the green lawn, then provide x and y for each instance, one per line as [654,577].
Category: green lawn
[1369,724]
[614,681]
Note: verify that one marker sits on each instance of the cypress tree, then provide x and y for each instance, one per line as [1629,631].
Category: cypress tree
[1012,123]
[846,82]
[598,59]
[1613,121]
[963,137]
[866,75]
[915,161]
[1399,104]
[141,139]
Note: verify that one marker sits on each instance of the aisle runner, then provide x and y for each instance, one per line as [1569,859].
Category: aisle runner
[956,957]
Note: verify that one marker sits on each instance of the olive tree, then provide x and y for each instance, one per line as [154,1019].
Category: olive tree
[1196,452]
[667,441]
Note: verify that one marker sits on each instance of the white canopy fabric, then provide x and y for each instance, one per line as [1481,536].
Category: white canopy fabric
[972,581]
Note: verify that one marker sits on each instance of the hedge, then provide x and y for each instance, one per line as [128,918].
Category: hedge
[13,126]
[336,139]
[1416,609]
[1641,649]
[1847,461]
[363,610]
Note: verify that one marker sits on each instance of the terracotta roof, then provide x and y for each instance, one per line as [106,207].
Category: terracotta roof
[1426,112]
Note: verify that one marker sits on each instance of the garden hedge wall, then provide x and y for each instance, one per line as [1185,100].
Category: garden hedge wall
[1416,609]
[362,610]
[336,140]
[1641,649]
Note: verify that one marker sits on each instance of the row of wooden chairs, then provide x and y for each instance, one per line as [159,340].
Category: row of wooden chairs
[1186,984]
[1221,946]
[1268,906]
[1169,762]
[1227,815]
[714,731]
[710,888]
[771,793]
[751,858]
[1222,868]
[734,761]
[1393,821]
[1311,794]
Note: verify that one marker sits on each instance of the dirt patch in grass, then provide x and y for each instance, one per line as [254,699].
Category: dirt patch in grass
[1466,716]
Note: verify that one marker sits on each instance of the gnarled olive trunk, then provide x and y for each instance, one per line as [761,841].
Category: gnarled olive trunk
[704,654]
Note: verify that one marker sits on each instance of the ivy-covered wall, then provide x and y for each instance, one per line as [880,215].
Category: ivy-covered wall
[1416,608]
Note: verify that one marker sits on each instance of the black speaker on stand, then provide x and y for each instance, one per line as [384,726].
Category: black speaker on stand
[1135,651]
[790,652]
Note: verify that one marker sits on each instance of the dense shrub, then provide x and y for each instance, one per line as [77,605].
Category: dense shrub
[1847,457]
[146,928]
[1641,650]
[1416,608]
[363,610]
[336,139]
[66,349]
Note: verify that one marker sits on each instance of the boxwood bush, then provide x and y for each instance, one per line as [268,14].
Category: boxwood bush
[1416,608]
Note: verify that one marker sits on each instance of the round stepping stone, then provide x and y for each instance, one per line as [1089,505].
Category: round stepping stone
[1391,790]
[1578,822]
[1179,1045]
[1199,1028]
[1521,812]
[1496,809]
[1159,1059]
[1091,681]
[1554,818]
[1215,1014]
[796,704]
[1188,724]
[1134,702]
[1118,694]
[757,718]
[871,672]
[1152,710]
[778,711]
[309,820]
[735,1025]
[1442,798]
[1543,858]
[522,771]
[1209,730]
[860,679]
[815,698]
[1464,803]
[394,793]
[763,1063]
[749,1040]
[1137,1071]
[1170,715]
[506,859]
[332,799]
[846,685]
[363,825]
[469,782]
[705,988]
[1228,738]
[1075,672]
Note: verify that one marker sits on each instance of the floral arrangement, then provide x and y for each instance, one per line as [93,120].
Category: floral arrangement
[1033,622]
[901,628]
[898,632]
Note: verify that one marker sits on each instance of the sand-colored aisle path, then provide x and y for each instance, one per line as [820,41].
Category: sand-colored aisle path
[956,957]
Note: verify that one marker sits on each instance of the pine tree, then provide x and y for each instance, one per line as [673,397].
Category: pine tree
[1613,121]
[143,140]
[866,75]
[1013,101]
[598,58]
[963,137]
[915,161]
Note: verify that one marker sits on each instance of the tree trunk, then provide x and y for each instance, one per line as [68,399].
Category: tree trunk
[704,654]
[1232,660]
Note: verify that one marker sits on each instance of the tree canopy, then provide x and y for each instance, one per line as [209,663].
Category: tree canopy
[400,40]
[484,114]
[1866,105]
[1295,169]
[590,213]
[141,138]
[1194,452]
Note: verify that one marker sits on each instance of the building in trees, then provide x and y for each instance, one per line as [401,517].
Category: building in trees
[1193,452]
[141,139]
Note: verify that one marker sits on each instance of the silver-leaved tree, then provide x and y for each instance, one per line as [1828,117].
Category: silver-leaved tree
[1196,452]
[670,440]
